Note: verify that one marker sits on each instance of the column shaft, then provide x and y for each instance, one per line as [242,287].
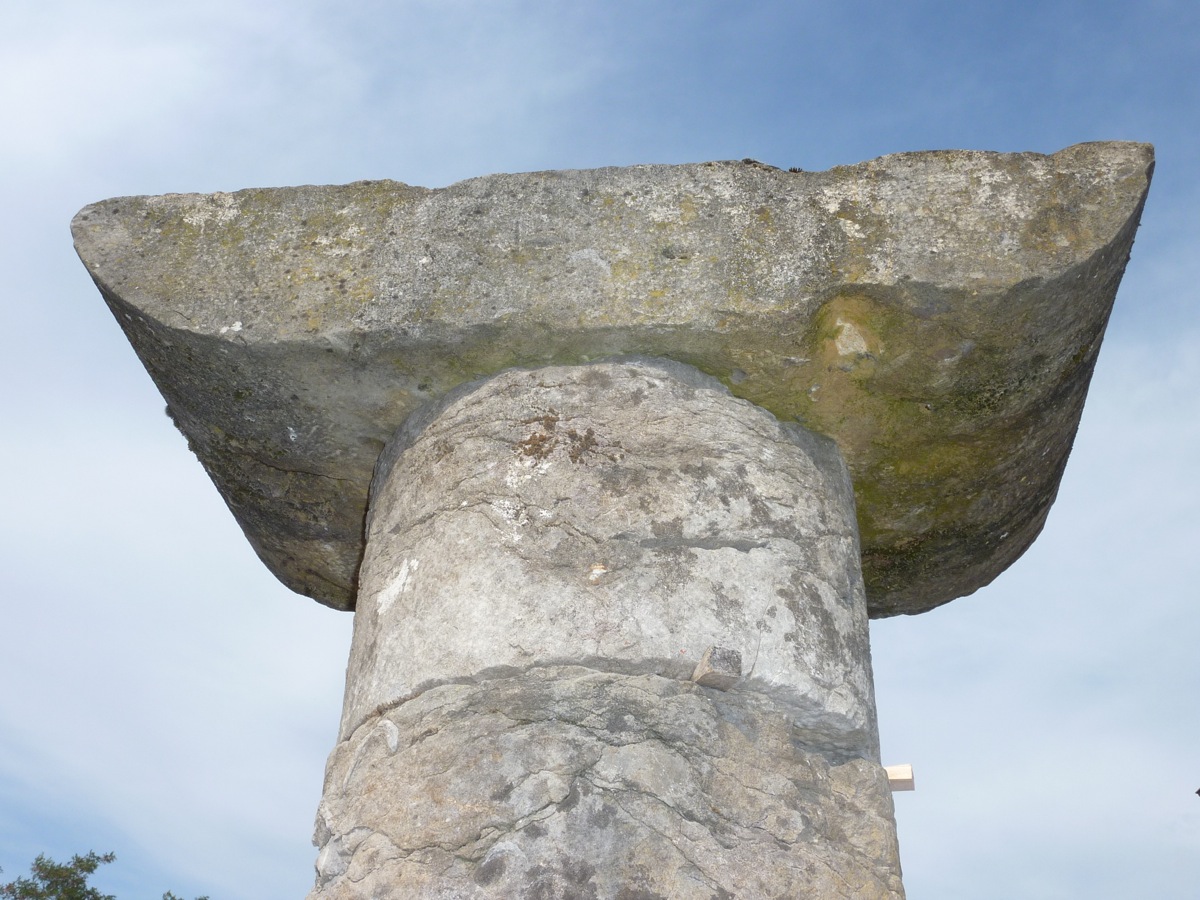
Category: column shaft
[550,556]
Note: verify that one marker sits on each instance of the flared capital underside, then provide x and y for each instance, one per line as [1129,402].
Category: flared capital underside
[937,314]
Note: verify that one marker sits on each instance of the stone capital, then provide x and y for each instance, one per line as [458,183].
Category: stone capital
[937,314]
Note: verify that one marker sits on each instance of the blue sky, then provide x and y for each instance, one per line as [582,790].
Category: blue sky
[165,698]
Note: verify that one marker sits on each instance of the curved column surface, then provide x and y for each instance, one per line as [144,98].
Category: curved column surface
[551,554]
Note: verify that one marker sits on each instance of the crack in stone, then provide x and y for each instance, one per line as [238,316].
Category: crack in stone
[743,546]
[514,672]
[691,827]
[617,793]
[276,468]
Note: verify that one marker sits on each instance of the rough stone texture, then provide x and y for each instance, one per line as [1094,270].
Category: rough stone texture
[626,517]
[565,782]
[553,555]
[938,314]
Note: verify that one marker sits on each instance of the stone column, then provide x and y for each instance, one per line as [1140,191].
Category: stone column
[611,641]
[611,633]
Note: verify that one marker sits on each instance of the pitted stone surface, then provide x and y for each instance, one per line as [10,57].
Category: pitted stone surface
[570,783]
[626,516]
[937,314]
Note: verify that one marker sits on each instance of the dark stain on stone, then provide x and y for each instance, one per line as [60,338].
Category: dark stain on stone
[571,881]
[619,722]
[534,830]
[581,444]
[602,817]
[570,801]
[623,481]
[490,870]
[576,871]
[672,529]
[698,472]
[638,893]
[793,606]
[594,376]
[540,444]
[819,616]
[729,611]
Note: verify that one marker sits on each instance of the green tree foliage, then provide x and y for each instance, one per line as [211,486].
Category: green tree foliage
[59,881]
[52,880]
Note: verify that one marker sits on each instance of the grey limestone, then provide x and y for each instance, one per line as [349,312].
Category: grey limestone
[611,642]
[626,516]
[567,783]
[938,314]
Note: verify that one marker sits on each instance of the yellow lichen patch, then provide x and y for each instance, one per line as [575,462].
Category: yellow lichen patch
[867,375]
[625,268]
[848,334]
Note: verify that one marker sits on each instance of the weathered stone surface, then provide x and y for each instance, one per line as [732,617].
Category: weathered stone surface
[559,562]
[938,314]
[622,516]
[565,782]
